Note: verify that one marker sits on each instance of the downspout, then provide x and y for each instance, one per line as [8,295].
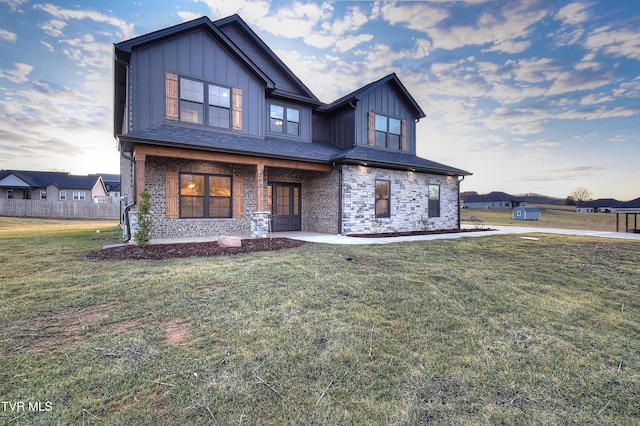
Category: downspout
[339,169]
[127,208]
[459,210]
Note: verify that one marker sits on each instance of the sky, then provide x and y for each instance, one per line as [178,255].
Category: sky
[533,96]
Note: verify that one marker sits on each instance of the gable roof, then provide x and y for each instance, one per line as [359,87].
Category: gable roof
[122,56]
[236,21]
[495,196]
[63,180]
[357,95]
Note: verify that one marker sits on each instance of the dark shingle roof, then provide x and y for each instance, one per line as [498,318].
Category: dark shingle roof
[600,202]
[186,137]
[357,94]
[633,204]
[395,160]
[494,196]
[64,180]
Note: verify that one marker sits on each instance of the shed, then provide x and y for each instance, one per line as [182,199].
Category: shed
[526,213]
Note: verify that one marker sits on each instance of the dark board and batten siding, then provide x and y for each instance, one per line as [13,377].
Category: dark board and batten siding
[389,101]
[196,55]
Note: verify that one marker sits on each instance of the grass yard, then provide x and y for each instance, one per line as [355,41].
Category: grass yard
[487,330]
[552,217]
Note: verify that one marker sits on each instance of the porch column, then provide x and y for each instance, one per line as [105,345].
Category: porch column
[260,187]
[140,163]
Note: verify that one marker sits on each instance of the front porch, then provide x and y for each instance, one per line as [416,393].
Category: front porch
[262,192]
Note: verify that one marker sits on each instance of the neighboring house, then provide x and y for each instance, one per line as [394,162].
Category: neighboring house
[34,185]
[111,184]
[526,213]
[601,205]
[230,142]
[493,200]
[629,208]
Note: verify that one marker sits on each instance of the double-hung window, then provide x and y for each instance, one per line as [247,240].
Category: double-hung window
[284,120]
[434,200]
[205,196]
[191,101]
[79,195]
[383,198]
[219,106]
[195,95]
[388,131]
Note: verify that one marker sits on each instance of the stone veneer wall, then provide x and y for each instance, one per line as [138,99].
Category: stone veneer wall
[409,201]
[155,178]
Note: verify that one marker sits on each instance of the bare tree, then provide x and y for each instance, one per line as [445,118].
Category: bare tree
[580,194]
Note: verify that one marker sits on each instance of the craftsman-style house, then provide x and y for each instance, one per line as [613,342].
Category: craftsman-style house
[230,142]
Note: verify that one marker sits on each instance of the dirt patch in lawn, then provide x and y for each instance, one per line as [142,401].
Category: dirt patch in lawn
[64,329]
[178,332]
[170,251]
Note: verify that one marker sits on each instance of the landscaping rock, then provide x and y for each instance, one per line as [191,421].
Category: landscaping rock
[225,241]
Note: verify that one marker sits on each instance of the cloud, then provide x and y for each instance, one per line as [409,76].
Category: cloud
[599,113]
[189,16]
[125,29]
[585,79]
[518,121]
[53,27]
[617,42]
[7,35]
[503,27]
[14,5]
[574,14]
[18,74]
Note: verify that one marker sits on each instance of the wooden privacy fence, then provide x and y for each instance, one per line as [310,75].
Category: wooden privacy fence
[67,209]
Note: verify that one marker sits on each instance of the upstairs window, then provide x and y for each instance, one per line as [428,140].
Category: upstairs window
[194,98]
[191,101]
[388,131]
[284,120]
[219,106]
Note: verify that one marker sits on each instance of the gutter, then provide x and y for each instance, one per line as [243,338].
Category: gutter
[459,212]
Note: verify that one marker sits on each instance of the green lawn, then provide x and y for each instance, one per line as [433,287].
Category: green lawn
[551,217]
[488,330]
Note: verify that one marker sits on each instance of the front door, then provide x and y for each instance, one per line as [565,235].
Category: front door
[285,205]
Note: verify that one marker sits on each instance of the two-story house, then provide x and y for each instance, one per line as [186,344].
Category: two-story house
[230,142]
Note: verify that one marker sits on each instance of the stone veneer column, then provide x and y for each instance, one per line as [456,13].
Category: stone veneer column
[260,224]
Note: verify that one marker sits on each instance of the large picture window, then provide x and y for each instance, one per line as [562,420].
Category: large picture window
[194,98]
[383,198]
[434,200]
[284,120]
[205,196]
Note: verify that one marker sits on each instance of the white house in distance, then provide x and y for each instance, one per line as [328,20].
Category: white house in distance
[601,205]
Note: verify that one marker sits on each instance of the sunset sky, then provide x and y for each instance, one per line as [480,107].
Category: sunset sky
[529,96]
